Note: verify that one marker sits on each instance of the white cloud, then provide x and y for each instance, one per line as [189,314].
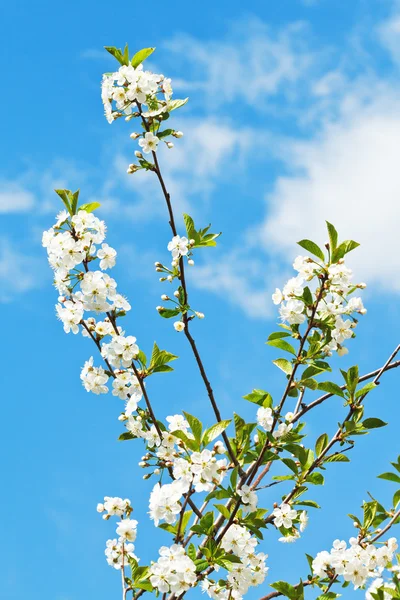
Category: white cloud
[240,282]
[191,169]
[18,272]
[252,64]
[349,174]
[14,198]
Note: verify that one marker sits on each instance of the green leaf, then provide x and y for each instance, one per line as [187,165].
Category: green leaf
[223,510]
[64,195]
[127,435]
[315,478]
[365,390]
[284,365]
[174,104]
[116,53]
[313,248]
[396,498]
[331,388]
[291,464]
[195,425]
[278,334]
[390,477]
[212,432]
[321,443]
[307,296]
[74,201]
[90,206]
[285,589]
[191,552]
[343,249]
[333,236]
[140,56]
[369,509]
[282,345]
[168,313]
[373,423]
[189,443]
[260,397]
[159,360]
[337,457]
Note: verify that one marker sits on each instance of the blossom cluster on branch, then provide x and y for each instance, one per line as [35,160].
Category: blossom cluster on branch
[209,481]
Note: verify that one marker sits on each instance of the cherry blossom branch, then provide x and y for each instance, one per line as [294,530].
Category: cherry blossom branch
[387,367]
[186,320]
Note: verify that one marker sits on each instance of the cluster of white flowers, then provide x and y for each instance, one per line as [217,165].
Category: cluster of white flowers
[70,244]
[174,571]
[378,584]
[355,563]
[334,303]
[248,497]
[202,470]
[126,91]
[251,571]
[265,419]
[130,86]
[118,550]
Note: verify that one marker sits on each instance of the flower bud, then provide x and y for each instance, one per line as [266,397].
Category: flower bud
[138,154]
[100,508]
[164,297]
[178,134]
[156,471]
[169,278]
[176,294]
[191,262]
[170,144]
[199,315]
[134,136]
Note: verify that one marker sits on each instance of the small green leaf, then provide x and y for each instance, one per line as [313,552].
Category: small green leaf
[333,236]
[373,423]
[212,432]
[282,345]
[90,206]
[315,478]
[343,249]
[390,477]
[140,56]
[195,425]
[321,443]
[278,334]
[313,248]
[260,397]
[331,388]
[174,104]
[63,194]
[284,365]
[116,53]
[223,510]
[337,457]
[168,313]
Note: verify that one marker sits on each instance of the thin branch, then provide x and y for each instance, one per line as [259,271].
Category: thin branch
[188,335]
[386,528]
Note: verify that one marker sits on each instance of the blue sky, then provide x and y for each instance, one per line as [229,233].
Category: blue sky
[293,118]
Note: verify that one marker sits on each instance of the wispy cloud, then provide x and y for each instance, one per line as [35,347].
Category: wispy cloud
[18,272]
[252,64]
[14,198]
